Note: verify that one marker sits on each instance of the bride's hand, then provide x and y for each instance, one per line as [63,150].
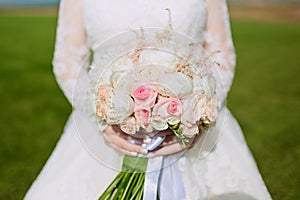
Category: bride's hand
[117,139]
[172,144]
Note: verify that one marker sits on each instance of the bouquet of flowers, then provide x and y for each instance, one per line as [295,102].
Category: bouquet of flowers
[146,81]
[150,98]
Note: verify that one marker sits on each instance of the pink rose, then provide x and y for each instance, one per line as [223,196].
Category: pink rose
[144,96]
[142,93]
[168,107]
[142,117]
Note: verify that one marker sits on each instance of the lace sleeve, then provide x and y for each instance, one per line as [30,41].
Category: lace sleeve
[70,52]
[218,38]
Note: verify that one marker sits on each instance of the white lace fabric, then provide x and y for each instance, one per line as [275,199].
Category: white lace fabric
[71,51]
[218,39]
[72,172]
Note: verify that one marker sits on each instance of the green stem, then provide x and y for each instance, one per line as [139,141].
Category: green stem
[138,187]
[140,193]
[128,184]
[125,193]
[121,185]
[177,131]
[112,186]
[136,178]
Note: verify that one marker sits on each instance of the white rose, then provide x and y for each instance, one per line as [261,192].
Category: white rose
[116,77]
[149,73]
[125,84]
[192,110]
[209,85]
[204,85]
[190,132]
[198,85]
[173,120]
[119,107]
[211,109]
[129,125]
[159,123]
[176,84]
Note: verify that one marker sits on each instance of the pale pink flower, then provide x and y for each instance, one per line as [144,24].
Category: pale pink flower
[144,96]
[104,92]
[100,110]
[211,110]
[192,110]
[143,117]
[167,107]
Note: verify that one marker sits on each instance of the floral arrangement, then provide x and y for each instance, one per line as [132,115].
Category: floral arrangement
[148,99]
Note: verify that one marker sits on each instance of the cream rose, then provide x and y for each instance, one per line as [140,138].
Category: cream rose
[149,73]
[104,93]
[175,84]
[211,109]
[204,85]
[192,110]
[129,125]
[159,123]
[190,132]
[118,108]
[116,77]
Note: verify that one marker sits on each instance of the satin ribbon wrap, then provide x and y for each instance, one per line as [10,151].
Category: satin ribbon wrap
[163,177]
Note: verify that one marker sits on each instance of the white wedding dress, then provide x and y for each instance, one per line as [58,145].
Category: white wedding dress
[226,171]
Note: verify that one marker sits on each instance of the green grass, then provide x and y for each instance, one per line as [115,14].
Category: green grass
[33,110]
[264,98]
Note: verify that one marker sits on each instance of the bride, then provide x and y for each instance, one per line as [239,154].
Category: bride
[83,165]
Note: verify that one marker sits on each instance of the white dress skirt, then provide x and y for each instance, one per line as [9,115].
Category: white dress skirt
[219,166]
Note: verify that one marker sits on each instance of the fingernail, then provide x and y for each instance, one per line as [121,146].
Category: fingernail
[144,151]
[147,140]
[133,153]
[142,155]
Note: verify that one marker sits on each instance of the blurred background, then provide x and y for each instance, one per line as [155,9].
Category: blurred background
[264,97]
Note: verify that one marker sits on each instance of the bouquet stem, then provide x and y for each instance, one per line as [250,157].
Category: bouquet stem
[129,183]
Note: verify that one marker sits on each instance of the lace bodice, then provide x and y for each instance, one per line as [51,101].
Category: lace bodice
[83,25]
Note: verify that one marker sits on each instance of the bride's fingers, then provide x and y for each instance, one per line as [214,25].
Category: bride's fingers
[170,139]
[129,153]
[117,139]
[167,150]
[123,144]
[118,131]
